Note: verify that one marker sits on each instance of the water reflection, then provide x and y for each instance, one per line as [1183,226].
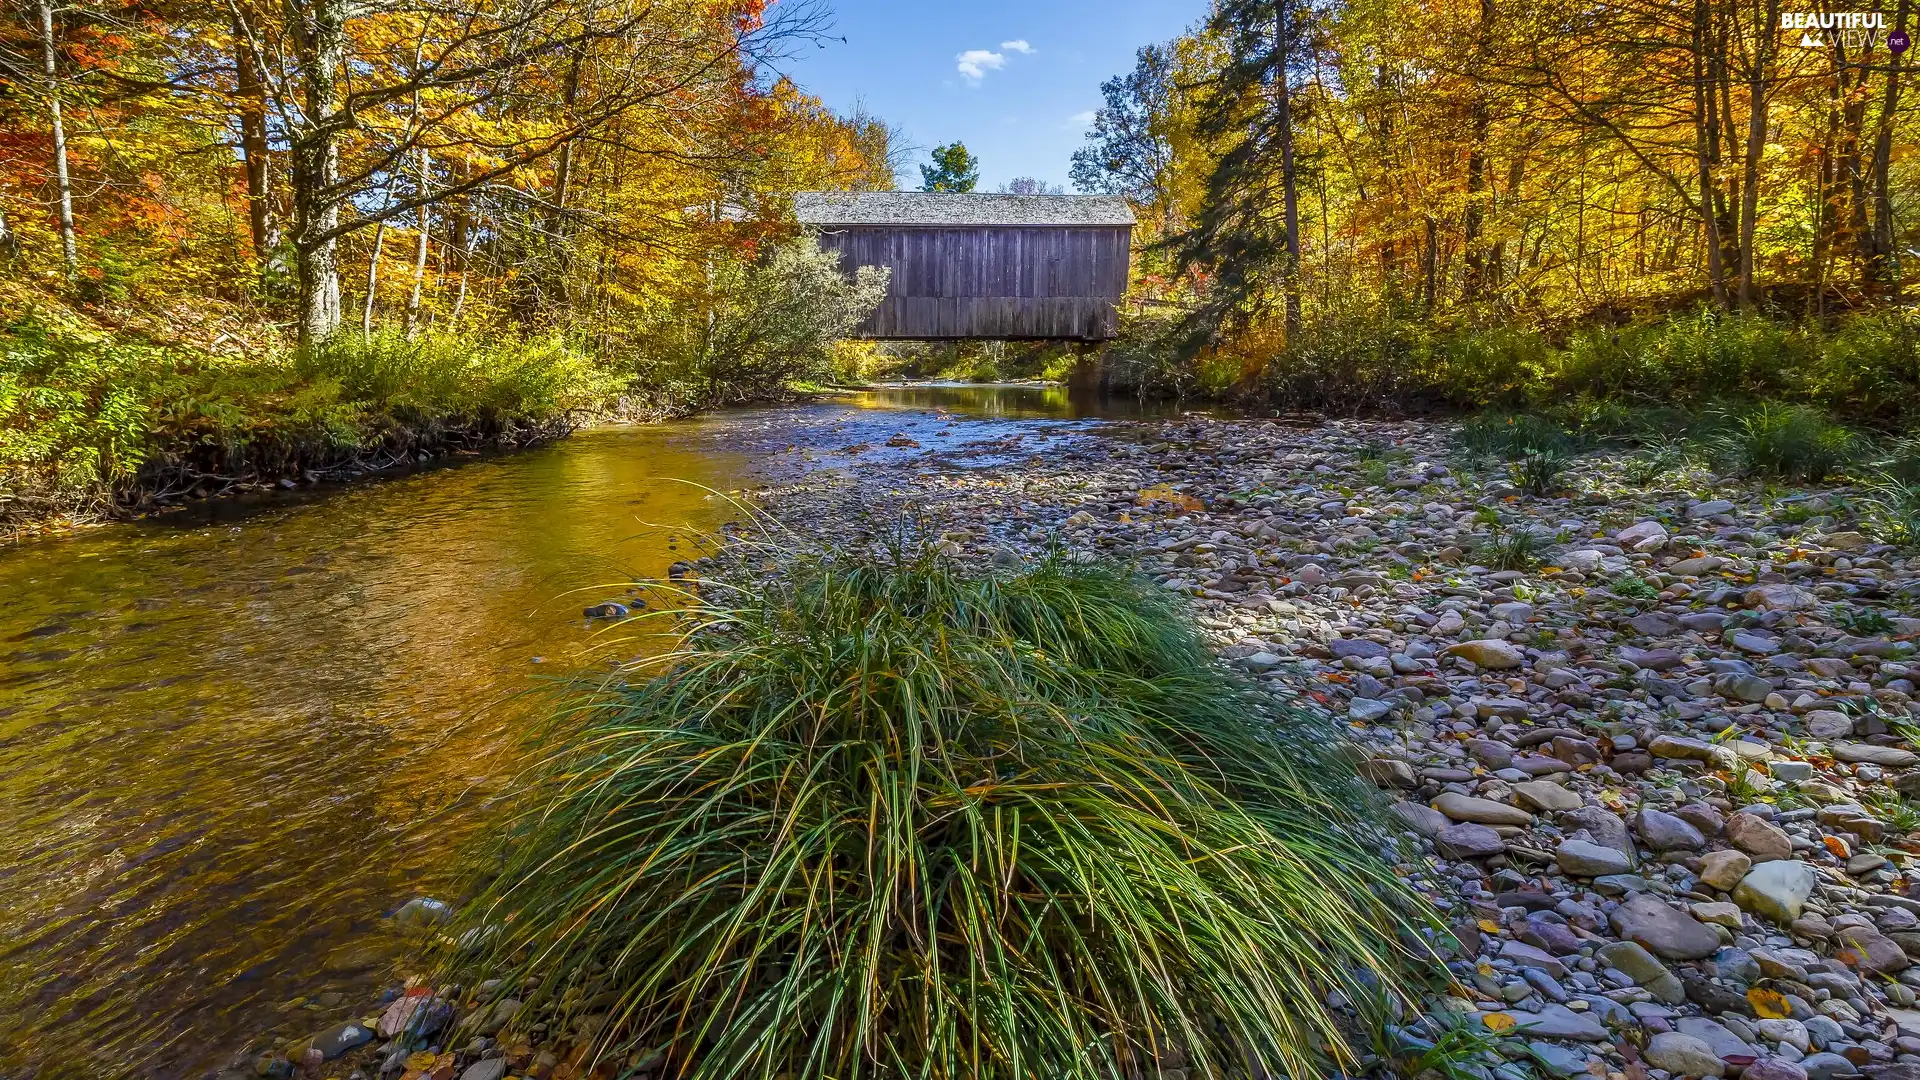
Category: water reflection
[230,740]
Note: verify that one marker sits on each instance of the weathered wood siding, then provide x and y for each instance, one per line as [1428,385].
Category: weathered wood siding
[991,281]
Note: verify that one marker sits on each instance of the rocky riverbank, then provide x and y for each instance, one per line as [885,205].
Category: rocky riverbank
[1651,742]
[1656,754]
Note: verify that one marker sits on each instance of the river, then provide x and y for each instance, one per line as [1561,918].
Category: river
[233,738]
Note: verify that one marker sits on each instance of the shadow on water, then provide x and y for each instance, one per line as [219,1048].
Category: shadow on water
[232,740]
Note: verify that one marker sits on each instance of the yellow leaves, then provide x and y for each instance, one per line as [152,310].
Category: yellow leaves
[1489,926]
[1768,1004]
[1163,498]
[1498,1021]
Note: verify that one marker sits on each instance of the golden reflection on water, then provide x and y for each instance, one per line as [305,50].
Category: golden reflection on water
[229,744]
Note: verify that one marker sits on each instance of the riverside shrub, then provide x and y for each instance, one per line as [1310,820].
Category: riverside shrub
[887,818]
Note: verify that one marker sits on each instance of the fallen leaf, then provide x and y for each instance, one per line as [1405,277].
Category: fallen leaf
[1498,1021]
[1768,1004]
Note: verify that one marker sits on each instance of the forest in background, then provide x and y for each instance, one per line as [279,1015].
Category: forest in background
[242,241]
[1384,203]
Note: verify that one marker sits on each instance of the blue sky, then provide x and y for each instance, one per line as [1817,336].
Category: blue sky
[1015,81]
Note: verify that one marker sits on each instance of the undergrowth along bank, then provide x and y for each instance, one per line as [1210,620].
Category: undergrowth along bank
[1862,368]
[95,424]
[888,817]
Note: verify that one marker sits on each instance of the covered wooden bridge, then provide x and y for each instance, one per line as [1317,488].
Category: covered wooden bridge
[1005,267]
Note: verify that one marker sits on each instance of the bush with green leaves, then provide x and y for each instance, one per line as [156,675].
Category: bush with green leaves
[754,326]
[888,818]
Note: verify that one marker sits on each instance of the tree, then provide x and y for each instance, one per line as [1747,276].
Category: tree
[1027,185]
[1127,151]
[953,170]
[69,251]
[1249,109]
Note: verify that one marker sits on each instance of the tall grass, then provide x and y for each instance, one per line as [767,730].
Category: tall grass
[888,819]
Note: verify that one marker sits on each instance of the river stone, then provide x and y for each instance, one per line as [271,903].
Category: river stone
[1694,567]
[1524,955]
[1491,653]
[1685,749]
[1484,811]
[1783,1030]
[1555,1022]
[490,1019]
[1891,757]
[421,912]
[1774,1068]
[1641,533]
[1777,889]
[1727,915]
[1827,1066]
[1603,825]
[1545,795]
[1368,710]
[1683,1055]
[416,1015]
[1424,820]
[1759,838]
[1490,752]
[1868,950]
[1779,597]
[1827,724]
[1663,931]
[1737,687]
[1715,1033]
[1360,648]
[486,1069]
[1724,869]
[1583,858]
[338,1040]
[1667,832]
[1643,967]
[1468,840]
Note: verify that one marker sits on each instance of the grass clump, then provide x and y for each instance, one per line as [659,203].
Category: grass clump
[1893,512]
[1509,549]
[1513,436]
[1792,442]
[888,819]
[1540,473]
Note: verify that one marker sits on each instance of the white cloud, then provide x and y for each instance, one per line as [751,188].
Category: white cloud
[1018,45]
[975,63]
[1079,121]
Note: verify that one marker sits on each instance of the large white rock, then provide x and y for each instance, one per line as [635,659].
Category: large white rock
[1777,889]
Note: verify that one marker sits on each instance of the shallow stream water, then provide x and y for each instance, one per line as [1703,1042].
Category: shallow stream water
[233,738]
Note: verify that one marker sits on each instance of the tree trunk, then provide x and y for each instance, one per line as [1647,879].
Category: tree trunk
[1706,148]
[251,89]
[1881,264]
[320,31]
[69,246]
[373,278]
[1475,211]
[1765,39]
[1289,180]
[421,221]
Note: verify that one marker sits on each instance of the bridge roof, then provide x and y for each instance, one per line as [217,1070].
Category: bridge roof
[929,208]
